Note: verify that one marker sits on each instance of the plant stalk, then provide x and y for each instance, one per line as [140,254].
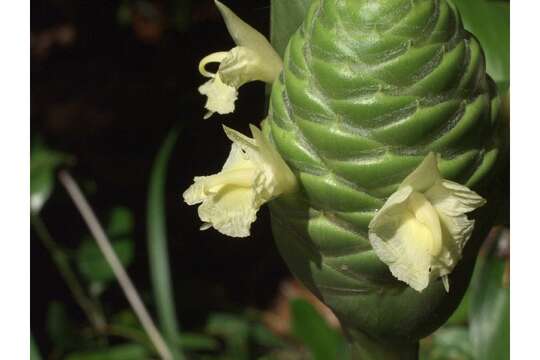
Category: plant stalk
[92,312]
[121,275]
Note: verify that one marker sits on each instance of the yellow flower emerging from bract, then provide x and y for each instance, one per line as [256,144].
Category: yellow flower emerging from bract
[422,228]
[252,59]
[253,174]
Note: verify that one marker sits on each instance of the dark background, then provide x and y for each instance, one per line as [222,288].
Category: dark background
[107,91]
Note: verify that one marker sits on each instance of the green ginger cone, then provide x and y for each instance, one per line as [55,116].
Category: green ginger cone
[369,88]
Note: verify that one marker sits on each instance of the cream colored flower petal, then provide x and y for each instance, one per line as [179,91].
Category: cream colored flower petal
[237,157]
[246,36]
[426,214]
[231,211]
[459,228]
[221,97]
[243,65]
[405,246]
[257,149]
[246,143]
[253,59]
[405,234]
[239,66]
[285,179]
[452,201]
[266,150]
[454,198]
[390,212]
[251,176]
[425,175]
[446,283]
[239,177]
[216,57]
[227,197]
[195,194]
[271,163]
[205,226]
[421,230]
[234,171]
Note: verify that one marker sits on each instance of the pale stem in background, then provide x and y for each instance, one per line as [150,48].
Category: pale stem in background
[121,275]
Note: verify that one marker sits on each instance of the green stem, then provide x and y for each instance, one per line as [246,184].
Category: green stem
[60,259]
[364,347]
[157,247]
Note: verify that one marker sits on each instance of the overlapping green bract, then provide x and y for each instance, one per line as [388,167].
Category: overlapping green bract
[369,88]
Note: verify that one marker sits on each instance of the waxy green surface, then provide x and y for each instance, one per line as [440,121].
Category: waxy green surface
[369,88]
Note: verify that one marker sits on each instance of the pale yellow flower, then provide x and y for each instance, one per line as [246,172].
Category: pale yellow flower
[252,59]
[422,228]
[253,174]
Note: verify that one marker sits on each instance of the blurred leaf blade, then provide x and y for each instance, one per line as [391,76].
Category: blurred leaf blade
[449,342]
[461,315]
[158,254]
[43,164]
[235,332]
[93,266]
[120,223]
[286,17]
[34,350]
[90,261]
[58,325]
[198,342]
[309,326]
[118,352]
[489,312]
[263,336]
[489,21]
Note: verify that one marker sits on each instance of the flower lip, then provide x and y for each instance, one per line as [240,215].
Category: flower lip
[221,97]
[426,215]
[422,228]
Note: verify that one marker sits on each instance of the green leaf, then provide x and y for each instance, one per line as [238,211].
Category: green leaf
[158,254]
[59,328]
[120,222]
[286,17]
[310,327]
[264,337]
[90,261]
[198,342]
[125,324]
[34,350]
[240,332]
[489,21]
[235,332]
[490,310]
[126,318]
[450,342]
[461,315]
[119,352]
[93,266]
[43,164]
